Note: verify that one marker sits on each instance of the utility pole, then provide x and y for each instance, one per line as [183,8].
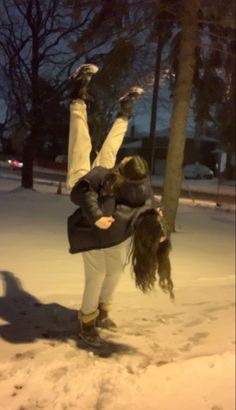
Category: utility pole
[152,134]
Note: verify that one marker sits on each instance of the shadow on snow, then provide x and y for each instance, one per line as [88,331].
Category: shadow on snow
[28,320]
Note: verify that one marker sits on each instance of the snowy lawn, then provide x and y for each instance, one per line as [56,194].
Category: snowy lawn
[163,356]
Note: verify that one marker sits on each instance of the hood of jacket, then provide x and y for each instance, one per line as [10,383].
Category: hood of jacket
[134,193]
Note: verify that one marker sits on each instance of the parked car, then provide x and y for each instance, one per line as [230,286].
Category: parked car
[15,164]
[61,159]
[197,171]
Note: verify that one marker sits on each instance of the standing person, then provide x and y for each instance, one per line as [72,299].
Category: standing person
[114,203]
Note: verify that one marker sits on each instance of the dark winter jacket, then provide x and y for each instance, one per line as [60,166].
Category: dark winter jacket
[135,198]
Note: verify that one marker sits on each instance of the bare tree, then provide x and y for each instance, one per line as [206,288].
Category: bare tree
[33,37]
[207,29]
[43,41]
[181,102]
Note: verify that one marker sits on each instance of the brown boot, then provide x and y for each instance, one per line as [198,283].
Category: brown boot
[80,80]
[89,334]
[103,320]
[128,100]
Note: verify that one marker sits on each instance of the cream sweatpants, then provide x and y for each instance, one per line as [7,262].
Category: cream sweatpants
[103,267]
[80,144]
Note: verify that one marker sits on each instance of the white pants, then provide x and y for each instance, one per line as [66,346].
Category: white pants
[80,144]
[103,267]
[103,270]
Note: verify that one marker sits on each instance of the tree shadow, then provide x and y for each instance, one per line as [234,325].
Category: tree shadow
[28,320]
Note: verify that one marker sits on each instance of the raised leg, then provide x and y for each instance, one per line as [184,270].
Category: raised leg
[107,155]
[79,139]
[79,143]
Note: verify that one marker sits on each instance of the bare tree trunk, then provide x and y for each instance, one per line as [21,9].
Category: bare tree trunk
[152,135]
[30,146]
[182,96]
[27,170]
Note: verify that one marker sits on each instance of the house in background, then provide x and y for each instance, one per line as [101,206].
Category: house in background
[207,153]
[204,150]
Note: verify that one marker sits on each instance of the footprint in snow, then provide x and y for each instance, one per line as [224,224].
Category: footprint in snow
[196,339]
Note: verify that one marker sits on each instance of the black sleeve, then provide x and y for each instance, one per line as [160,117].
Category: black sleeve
[94,178]
[85,194]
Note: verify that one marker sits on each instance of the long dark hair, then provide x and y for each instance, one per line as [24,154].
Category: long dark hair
[134,169]
[149,256]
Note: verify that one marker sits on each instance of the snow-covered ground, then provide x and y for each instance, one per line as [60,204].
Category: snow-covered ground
[212,186]
[163,356]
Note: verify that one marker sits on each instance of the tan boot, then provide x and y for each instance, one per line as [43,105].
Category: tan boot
[89,334]
[128,100]
[103,320]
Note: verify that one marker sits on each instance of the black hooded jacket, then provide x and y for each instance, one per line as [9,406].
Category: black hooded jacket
[135,198]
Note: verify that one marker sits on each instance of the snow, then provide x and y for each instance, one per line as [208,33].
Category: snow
[211,186]
[163,356]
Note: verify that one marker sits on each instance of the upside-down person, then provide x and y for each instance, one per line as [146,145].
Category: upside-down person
[117,215]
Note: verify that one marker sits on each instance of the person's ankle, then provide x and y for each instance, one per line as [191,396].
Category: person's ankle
[80,81]
[128,100]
